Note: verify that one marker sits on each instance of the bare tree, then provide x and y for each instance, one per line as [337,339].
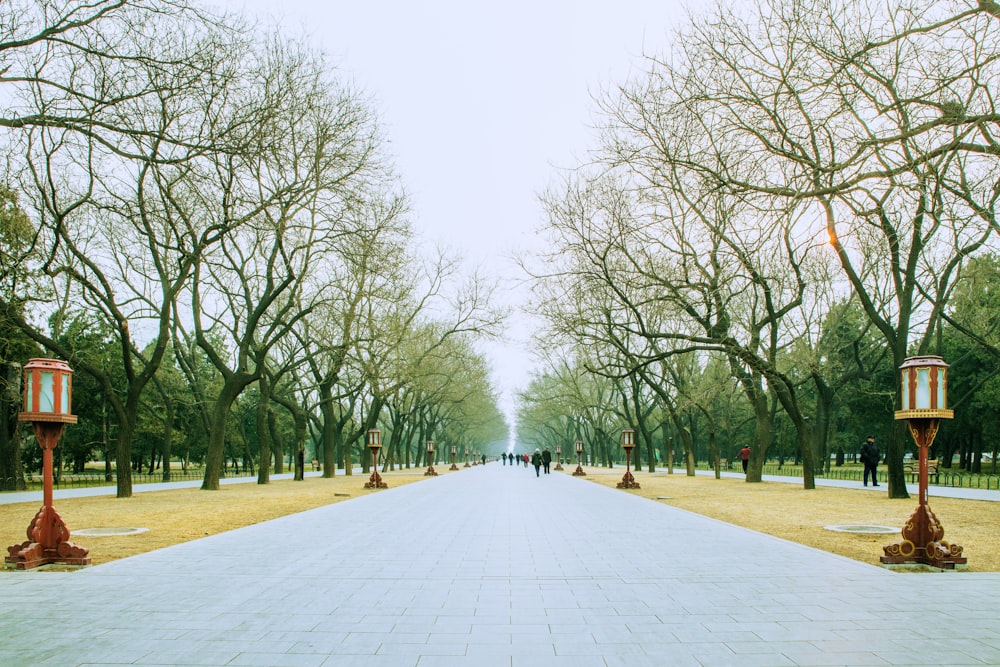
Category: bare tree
[114,102]
[874,124]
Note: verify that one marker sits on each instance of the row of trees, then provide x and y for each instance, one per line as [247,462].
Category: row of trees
[781,210]
[195,209]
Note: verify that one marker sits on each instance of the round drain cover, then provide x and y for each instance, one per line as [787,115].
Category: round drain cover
[861,528]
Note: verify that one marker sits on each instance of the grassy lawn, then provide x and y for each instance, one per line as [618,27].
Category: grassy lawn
[792,513]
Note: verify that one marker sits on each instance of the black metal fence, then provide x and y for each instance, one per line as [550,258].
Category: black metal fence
[91,480]
[957,478]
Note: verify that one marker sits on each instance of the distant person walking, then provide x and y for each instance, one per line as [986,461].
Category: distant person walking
[870,456]
[505,458]
[536,460]
[546,460]
[745,457]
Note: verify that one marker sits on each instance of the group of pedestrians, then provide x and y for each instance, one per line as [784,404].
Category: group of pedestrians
[540,459]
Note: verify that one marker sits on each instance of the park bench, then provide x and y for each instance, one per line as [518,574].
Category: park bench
[912,469]
[724,464]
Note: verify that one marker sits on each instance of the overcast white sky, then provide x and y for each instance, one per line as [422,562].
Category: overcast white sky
[482,103]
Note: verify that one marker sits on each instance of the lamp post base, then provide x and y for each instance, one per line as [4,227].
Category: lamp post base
[48,543]
[628,482]
[375,482]
[922,544]
[558,466]
[579,471]
[430,472]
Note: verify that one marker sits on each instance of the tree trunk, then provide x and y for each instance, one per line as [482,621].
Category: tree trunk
[11,470]
[824,413]
[713,452]
[231,389]
[168,436]
[263,432]
[276,444]
[301,427]
[123,459]
[332,437]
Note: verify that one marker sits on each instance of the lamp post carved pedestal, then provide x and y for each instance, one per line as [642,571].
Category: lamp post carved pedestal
[579,460]
[47,405]
[925,393]
[628,442]
[375,444]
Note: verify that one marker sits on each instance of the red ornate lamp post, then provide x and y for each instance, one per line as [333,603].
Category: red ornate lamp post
[430,460]
[375,444]
[48,393]
[454,453]
[925,398]
[579,460]
[558,458]
[628,442]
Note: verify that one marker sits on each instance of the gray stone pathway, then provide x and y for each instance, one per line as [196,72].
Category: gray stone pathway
[492,566]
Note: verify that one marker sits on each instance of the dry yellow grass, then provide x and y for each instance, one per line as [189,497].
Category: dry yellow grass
[188,514]
[792,513]
[779,509]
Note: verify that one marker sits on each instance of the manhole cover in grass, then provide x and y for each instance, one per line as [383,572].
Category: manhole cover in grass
[109,532]
[861,528]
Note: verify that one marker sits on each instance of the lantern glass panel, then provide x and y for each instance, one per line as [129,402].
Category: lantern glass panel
[942,400]
[905,383]
[47,395]
[923,389]
[65,407]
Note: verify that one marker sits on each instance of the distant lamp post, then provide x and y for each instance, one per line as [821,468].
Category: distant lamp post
[454,454]
[558,458]
[48,394]
[628,442]
[430,460]
[579,460]
[375,444]
[924,383]
[466,457]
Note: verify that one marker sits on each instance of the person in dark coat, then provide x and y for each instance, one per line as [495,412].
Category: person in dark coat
[870,456]
[546,460]
[536,460]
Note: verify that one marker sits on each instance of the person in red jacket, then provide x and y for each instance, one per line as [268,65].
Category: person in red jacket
[745,457]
